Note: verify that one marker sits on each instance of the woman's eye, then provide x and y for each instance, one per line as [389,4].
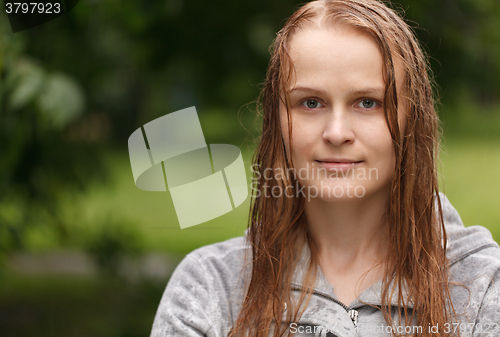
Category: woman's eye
[367,103]
[311,104]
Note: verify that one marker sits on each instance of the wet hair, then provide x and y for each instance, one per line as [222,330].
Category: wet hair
[277,227]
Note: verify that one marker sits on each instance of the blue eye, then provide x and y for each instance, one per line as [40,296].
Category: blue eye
[367,103]
[311,104]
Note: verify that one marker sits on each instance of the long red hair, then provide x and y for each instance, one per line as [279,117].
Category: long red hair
[277,229]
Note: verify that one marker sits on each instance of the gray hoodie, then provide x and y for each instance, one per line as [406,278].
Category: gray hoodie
[205,292]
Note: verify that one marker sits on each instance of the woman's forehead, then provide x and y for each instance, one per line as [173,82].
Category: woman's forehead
[319,48]
[321,54]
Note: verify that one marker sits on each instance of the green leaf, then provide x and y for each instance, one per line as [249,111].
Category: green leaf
[61,100]
[26,79]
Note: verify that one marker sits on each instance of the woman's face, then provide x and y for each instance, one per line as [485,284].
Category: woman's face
[342,148]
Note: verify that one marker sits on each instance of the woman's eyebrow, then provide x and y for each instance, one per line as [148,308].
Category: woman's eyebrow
[307,89]
[369,91]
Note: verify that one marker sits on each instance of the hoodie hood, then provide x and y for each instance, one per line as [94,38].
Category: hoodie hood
[463,241]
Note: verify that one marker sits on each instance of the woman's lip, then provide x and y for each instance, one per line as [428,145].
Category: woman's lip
[339,161]
[338,165]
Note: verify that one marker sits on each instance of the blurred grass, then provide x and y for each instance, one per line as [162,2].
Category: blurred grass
[471,181]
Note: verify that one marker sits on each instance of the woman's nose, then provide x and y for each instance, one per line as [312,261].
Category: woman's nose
[338,127]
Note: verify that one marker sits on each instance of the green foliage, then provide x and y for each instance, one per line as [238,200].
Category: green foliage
[463,39]
[56,97]
[39,163]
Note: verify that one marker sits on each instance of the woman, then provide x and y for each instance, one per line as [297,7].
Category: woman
[348,235]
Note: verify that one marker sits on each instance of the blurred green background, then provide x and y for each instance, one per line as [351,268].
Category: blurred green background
[83,252]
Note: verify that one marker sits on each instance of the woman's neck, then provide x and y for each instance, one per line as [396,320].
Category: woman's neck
[346,233]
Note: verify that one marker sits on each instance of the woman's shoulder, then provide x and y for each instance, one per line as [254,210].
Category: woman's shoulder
[230,252]
[474,259]
[472,243]
[204,292]
[216,265]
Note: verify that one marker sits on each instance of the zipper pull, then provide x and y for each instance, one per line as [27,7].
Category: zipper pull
[353,314]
